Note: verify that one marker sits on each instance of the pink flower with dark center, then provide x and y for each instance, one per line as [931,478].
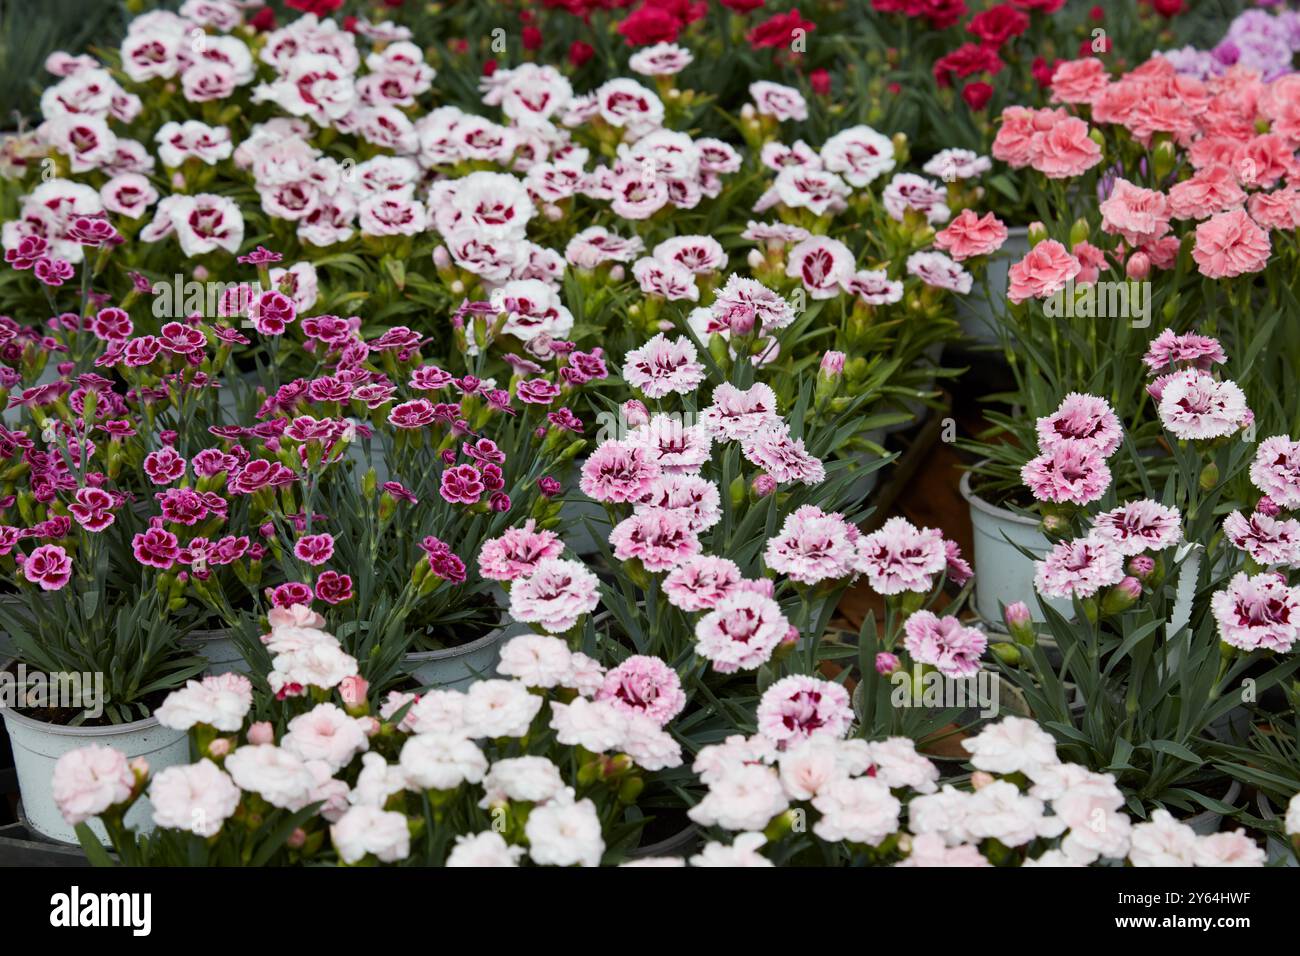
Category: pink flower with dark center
[618,471]
[1139,526]
[93,509]
[813,546]
[164,466]
[740,632]
[412,414]
[644,685]
[1258,613]
[944,643]
[333,587]
[1082,418]
[156,548]
[798,707]
[1169,350]
[661,367]
[1070,471]
[1079,568]
[462,484]
[699,583]
[315,549]
[736,415]
[1266,539]
[900,557]
[555,595]
[785,459]
[516,553]
[49,566]
[659,538]
[537,391]
[1276,470]
[1196,406]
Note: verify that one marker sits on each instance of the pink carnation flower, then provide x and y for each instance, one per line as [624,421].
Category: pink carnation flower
[49,566]
[1070,470]
[696,499]
[644,685]
[315,549]
[784,458]
[661,367]
[813,546]
[89,780]
[1138,215]
[1168,350]
[972,235]
[657,537]
[738,414]
[555,595]
[699,583]
[1266,539]
[798,707]
[944,643]
[515,554]
[1194,405]
[1276,470]
[1082,418]
[1259,612]
[1043,271]
[1213,189]
[618,471]
[1079,568]
[1139,526]
[898,557]
[740,632]
[1230,244]
[1065,150]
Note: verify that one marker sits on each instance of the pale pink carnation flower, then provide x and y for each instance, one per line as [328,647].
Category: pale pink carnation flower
[813,546]
[945,643]
[929,850]
[1138,526]
[1168,350]
[618,471]
[737,414]
[798,707]
[515,554]
[644,685]
[675,447]
[699,583]
[661,367]
[783,458]
[1260,612]
[537,661]
[1194,405]
[89,780]
[740,632]
[899,557]
[1267,540]
[1079,568]
[1070,471]
[1084,418]
[659,538]
[1276,470]
[1138,215]
[555,595]
[695,498]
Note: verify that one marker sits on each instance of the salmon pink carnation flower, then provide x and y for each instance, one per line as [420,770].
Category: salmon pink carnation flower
[1230,244]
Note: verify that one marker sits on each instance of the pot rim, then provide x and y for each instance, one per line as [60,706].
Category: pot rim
[447,653]
[1233,791]
[67,730]
[979,504]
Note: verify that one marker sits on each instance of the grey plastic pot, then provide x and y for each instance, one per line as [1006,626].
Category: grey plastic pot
[219,649]
[1278,850]
[37,747]
[1002,574]
[1207,821]
[977,312]
[455,668]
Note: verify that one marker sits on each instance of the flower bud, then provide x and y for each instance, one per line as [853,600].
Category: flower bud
[1122,596]
[832,364]
[635,414]
[763,485]
[1079,232]
[981,779]
[441,257]
[1020,623]
[1008,654]
[1141,566]
[1037,233]
[1268,507]
[755,259]
[261,733]
[353,692]
[1138,266]
[219,748]
[1209,477]
[887,663]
